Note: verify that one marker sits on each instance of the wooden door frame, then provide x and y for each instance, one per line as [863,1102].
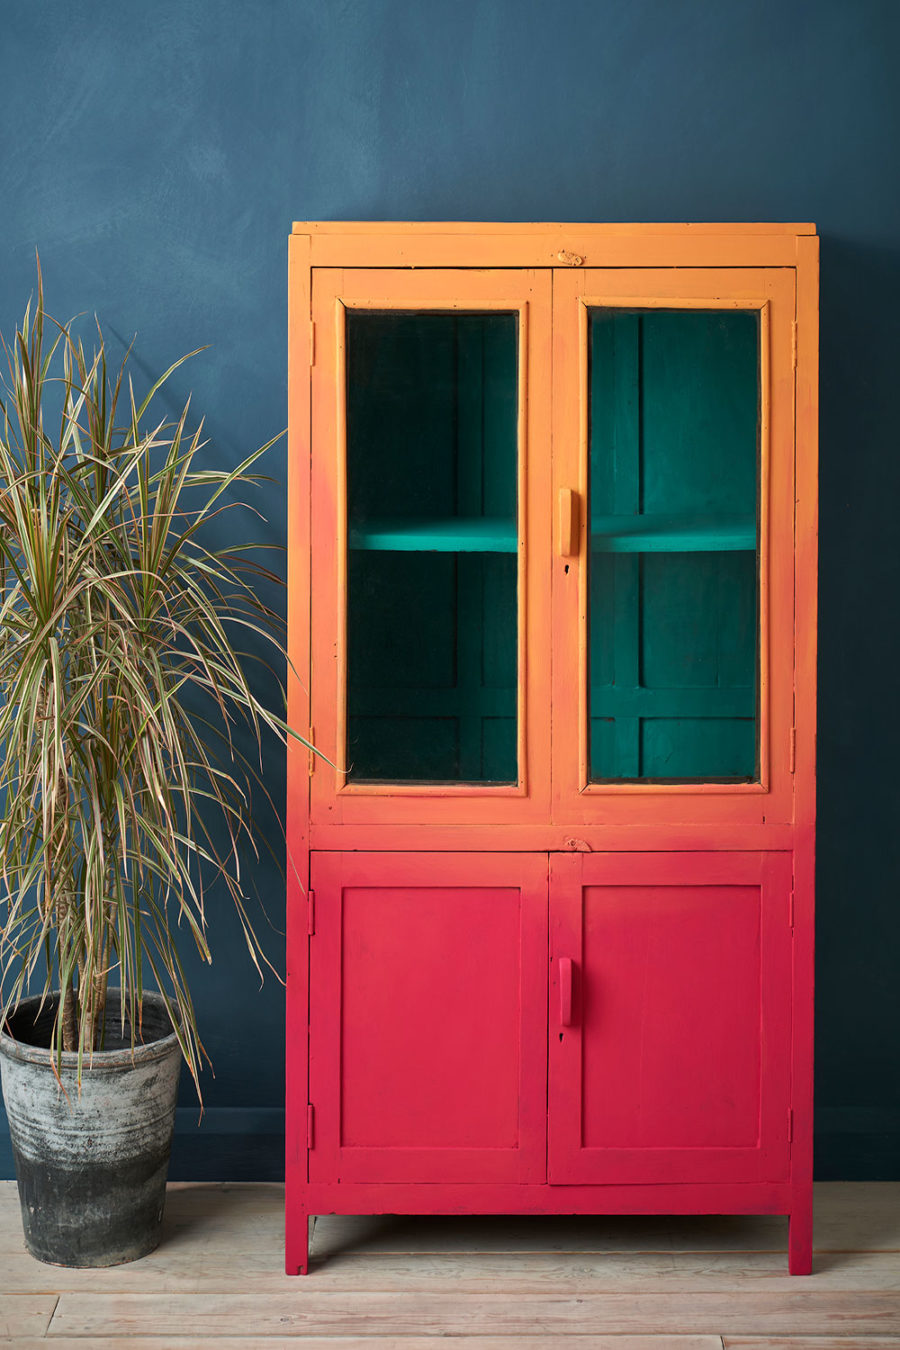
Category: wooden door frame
[333,798]
[577,801]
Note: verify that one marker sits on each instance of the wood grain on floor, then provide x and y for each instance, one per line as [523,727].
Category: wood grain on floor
[493,1283]
[591,1342]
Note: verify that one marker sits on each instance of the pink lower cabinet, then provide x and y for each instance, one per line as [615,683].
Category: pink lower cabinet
[534,1033]
[670,1018]
[428,1018]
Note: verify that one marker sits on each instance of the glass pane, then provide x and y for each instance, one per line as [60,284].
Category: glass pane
[673,649]
[432,452]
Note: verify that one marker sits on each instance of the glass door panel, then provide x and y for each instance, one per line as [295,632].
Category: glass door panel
[432,610]
[673,651]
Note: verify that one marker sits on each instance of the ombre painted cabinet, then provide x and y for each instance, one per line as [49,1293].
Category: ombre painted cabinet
[552,503]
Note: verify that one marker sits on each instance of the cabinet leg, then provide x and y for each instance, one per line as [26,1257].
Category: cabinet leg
[296,1245]
[800,1234]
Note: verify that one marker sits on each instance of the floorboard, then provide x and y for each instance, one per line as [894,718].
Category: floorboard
[187,1269]
[24,1314]
[812,1343]
[306,1312]
[590,1342]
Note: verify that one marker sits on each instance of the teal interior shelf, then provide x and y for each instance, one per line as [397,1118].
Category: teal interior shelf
[672,534]
[610,534]
[452,535]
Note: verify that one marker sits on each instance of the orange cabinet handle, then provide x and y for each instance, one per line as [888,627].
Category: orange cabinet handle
[568,522]
[565,991]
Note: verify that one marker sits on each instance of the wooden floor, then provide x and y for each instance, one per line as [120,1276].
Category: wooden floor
[490,1283]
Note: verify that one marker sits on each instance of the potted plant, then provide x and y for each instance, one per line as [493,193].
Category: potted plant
[125,716]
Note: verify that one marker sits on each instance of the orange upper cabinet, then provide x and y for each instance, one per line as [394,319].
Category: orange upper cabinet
[547,525]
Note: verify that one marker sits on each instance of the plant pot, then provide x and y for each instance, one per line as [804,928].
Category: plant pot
[91,1166]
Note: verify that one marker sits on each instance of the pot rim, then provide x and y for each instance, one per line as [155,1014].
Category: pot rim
[97,1061]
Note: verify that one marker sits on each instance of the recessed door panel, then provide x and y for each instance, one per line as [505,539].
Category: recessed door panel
[670,997]
[428,1017]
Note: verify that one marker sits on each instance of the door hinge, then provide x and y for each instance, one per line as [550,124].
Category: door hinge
[310,1126]
[311,737]
[312,343]
[794,344]
[790,1124]
[793,754]
[310,913]
[791,906]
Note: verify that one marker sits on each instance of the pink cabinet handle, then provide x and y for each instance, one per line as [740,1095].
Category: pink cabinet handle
[568,523]
[565,991]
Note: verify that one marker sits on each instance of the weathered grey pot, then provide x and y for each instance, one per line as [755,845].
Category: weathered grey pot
[91,1166]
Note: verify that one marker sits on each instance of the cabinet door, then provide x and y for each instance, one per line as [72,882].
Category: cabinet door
[670,1017]
[428,1017]
[673,576]
[430,599]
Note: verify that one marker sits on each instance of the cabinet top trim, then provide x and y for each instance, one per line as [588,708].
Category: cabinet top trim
[398,244]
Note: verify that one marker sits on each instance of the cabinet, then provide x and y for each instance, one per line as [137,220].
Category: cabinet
[552,548]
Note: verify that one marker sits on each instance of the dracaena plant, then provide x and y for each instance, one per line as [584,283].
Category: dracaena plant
[125,709]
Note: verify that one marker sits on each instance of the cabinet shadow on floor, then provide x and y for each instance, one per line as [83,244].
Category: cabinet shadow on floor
[334,1235]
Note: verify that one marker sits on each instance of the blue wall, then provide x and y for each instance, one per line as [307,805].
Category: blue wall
[157,154]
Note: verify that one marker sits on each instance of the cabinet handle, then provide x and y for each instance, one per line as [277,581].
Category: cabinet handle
[565,991]
[568,522]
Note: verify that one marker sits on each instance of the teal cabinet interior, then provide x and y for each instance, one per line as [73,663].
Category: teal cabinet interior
[432,447]
[674,455]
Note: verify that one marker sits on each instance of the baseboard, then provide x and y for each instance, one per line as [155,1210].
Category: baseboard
[857,1143]
[230,1143]
[239,1143]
